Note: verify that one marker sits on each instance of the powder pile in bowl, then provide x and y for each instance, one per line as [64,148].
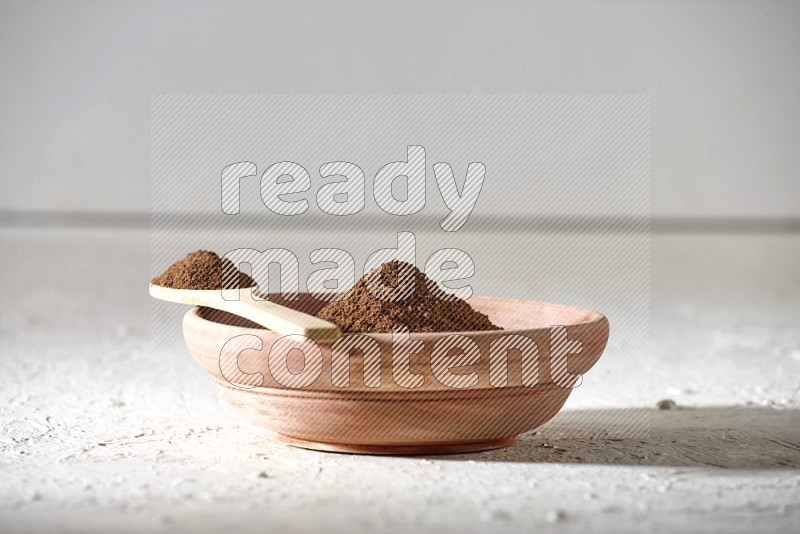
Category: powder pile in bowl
[427,309]
[202,270]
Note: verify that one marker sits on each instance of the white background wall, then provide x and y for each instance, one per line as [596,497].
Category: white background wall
[76,80]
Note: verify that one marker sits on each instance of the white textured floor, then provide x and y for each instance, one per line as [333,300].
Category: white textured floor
[99,433]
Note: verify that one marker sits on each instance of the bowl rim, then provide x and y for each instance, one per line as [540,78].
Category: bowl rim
[591,317]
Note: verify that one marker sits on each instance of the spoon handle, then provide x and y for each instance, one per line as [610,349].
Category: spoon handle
[280,319]
[268,314]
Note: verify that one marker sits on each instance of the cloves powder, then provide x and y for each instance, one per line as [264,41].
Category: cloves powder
[372,304]
[203,269]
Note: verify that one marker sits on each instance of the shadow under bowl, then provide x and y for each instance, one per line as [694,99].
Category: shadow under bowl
[423,393]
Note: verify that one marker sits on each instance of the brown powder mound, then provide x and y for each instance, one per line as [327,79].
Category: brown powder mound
[202,270]
[427,309]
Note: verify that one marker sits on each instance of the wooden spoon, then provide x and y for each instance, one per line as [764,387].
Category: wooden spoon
[273,316]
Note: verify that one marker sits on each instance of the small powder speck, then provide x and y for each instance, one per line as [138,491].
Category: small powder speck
[666,404]
[554,516]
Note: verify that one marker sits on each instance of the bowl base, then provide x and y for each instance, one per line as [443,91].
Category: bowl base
[441,447]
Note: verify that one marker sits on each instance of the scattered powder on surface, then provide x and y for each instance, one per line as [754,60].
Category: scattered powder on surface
[202,270]
[427,309]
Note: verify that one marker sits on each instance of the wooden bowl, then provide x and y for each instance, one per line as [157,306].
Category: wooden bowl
[431,397]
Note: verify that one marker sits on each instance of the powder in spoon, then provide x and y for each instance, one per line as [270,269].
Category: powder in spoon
[427,309]
[202,270]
